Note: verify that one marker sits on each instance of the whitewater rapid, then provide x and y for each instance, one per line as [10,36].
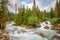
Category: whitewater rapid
[20,33]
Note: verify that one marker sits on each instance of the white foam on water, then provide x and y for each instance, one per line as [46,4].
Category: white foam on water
[25,36]
[20,33]
[46,23]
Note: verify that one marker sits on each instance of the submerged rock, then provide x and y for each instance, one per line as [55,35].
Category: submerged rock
[46,32]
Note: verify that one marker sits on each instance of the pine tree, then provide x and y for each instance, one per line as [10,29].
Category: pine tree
[34,8]
[52,13]
[11,16]
[3,15]
[57,8]
[19,18]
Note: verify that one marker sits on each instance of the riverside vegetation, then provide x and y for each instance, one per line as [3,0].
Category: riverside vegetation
[28,17]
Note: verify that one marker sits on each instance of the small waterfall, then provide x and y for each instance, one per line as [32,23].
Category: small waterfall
[46,23]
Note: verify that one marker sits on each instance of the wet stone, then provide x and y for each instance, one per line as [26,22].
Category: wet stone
[46,27]
[3,35]
[41,34]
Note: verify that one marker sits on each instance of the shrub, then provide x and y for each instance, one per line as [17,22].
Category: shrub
[32,20]
[55,20]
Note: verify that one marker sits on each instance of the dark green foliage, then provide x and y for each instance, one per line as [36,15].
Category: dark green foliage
[3,14]
[18,17]
[52,13]
[55,20]
[32,20]
[58,21]
[25,16]
[34,16]
[11,16]
[57,8]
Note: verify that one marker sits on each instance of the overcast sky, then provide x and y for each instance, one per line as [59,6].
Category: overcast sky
[47,4]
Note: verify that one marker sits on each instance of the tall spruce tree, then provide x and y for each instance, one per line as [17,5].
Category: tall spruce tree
[52,13]
[57,8]
[19,18]
[3,15]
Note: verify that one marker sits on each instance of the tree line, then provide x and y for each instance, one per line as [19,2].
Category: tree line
[28,16]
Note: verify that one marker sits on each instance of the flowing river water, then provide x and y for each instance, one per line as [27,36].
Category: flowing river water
[20,33]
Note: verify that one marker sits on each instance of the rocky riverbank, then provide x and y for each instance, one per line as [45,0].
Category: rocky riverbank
[4,35]
[12,32]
